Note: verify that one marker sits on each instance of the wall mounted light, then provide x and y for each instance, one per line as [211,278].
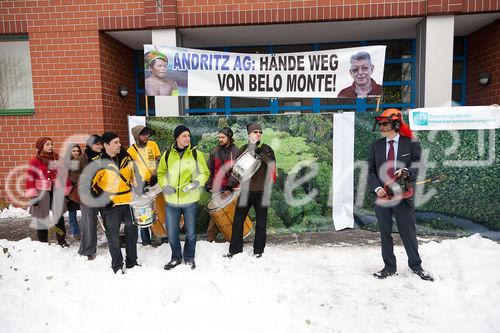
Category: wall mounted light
[484,78]
[123,90]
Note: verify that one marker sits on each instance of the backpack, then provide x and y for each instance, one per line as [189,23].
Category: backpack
[195,155]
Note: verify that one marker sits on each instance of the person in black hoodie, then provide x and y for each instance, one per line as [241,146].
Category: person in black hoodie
[88,224]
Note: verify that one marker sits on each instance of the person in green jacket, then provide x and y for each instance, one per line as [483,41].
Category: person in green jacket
[182,172]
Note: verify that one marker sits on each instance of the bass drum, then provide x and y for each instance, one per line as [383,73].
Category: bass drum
[221,208]
[158,227]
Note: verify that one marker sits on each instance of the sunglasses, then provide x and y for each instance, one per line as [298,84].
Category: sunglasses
[257,131]
[385,123]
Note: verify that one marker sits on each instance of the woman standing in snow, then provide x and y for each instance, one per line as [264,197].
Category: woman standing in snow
[73,199]
[42,187]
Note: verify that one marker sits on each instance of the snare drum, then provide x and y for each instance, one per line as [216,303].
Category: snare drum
[143,212]
[246,166]
[221,208]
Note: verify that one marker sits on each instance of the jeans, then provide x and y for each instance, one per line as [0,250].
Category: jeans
[73,224]
[173,214]
[145,236]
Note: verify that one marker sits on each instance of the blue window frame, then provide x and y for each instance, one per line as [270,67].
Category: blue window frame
[399,87]
[140,96]
[459,81]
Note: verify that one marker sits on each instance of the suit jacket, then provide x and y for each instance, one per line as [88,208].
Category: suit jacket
[408,155]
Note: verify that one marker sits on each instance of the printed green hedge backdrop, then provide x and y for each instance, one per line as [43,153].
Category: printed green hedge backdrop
[294,139]
[469,161]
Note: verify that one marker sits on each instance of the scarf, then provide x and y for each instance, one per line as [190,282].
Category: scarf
[42,155]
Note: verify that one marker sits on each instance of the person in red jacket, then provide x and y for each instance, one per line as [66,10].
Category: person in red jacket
[43,188]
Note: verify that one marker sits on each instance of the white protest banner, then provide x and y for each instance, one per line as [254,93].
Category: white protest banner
[455,118]
[342,73]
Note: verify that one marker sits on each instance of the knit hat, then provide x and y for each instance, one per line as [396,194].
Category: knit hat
[179,130]
[93,139]
[252,127]
[108,136]
[227,132]
[41,142]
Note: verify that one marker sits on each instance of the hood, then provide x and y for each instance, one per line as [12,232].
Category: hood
[135,132]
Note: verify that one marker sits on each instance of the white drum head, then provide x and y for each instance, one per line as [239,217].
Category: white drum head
[219,201]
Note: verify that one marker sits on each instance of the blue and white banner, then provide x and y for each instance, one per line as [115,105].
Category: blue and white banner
[455,118]
[342,73]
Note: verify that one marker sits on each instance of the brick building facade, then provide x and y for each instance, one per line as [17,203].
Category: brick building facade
[77,65]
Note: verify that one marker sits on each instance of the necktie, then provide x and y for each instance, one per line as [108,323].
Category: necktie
[390,160]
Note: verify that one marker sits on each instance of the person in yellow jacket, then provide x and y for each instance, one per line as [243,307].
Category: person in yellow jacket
[113,182]
[181,174]
[146,155]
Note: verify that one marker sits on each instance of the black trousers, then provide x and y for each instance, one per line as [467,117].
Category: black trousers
[255,200]
[113,218]
[404,212]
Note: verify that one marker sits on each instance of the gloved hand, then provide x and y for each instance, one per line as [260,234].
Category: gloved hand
[168,189]
[34,202]
[191,186]
[252,148]
[138,190]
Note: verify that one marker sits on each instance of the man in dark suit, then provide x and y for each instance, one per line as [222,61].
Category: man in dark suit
[391,166]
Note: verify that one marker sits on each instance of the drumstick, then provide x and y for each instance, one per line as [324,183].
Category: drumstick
[99,218]
[185,184]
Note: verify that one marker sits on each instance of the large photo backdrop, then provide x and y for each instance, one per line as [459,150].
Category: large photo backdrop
[304,153]
[322,167]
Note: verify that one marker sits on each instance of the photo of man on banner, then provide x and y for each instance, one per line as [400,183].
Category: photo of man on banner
[361,71]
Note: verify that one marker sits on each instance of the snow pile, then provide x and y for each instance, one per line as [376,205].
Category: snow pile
[290,289]
[13,212]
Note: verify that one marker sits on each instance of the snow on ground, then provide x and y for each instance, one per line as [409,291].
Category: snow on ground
[13,212]
[290,289]
[19,213]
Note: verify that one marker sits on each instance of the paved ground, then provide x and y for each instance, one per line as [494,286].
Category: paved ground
[16,229]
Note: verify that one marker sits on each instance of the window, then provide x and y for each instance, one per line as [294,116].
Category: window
[16,86]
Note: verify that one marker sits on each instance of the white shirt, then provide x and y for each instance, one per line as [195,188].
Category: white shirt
[395,144]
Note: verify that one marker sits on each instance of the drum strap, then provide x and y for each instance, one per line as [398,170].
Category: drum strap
[195,155]
[145,164]
[118,173]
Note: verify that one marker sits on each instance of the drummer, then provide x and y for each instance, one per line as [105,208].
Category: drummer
[146,156]
[220,162]
[113,182]
[254,192]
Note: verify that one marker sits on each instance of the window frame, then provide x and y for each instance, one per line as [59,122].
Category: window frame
[17,111]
